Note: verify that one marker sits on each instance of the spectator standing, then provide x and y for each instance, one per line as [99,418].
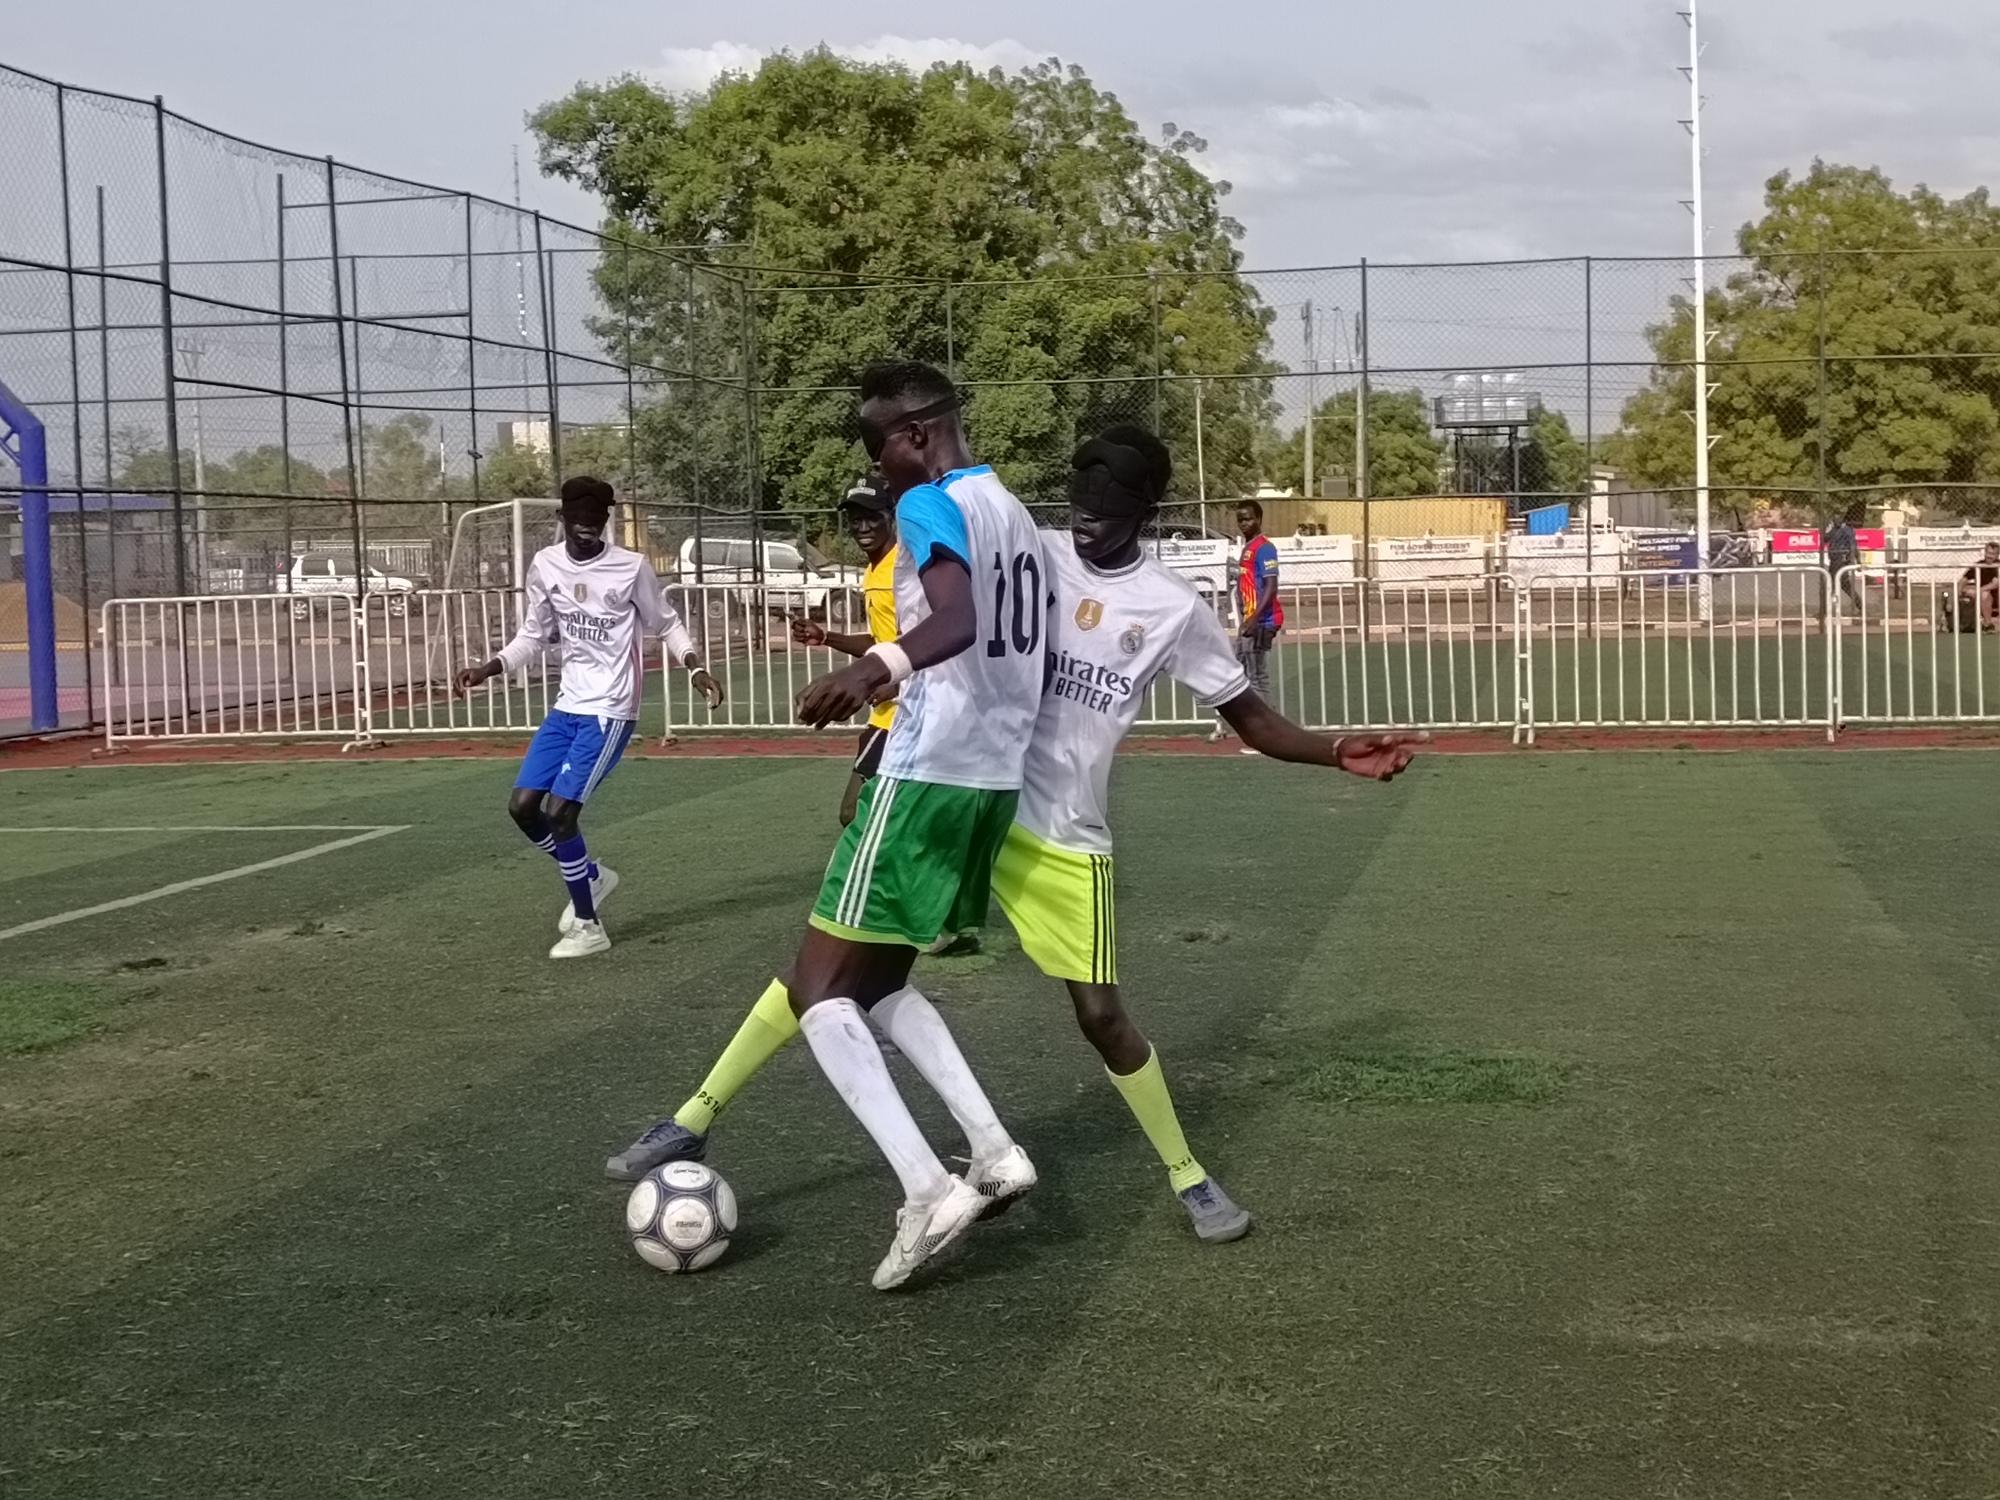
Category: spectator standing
[1259,613]
[1843,551]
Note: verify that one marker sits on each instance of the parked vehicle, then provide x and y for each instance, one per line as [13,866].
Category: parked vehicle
[796,577]
[331,575]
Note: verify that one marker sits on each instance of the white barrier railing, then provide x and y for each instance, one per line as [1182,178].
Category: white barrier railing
[1772,647]
[234,666]
[1730,648]
[1918,647]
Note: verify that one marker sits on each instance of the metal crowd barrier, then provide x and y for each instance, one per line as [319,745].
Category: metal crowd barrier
[1917,648]
[1765,647]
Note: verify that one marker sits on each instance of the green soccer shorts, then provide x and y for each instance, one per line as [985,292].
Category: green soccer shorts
[1060,902]
[916,862]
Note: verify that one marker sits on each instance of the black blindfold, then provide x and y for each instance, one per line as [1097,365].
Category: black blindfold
[1110,480]
[875,435]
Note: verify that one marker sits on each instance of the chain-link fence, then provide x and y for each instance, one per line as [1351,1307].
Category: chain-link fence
[264,373]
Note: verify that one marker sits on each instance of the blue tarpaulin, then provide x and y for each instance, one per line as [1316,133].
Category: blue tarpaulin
[1549,520]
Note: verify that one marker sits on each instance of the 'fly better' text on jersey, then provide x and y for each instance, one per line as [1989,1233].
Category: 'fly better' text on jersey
[599,611]
[1110,635]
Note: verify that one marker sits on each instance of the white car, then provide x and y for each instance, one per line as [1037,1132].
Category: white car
[331,575]
[796,578]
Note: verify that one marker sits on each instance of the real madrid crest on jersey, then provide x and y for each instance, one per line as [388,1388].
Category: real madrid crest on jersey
[580,590]
[1133,638]
[1088,613]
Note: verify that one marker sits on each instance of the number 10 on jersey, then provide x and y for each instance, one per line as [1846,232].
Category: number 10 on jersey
[1023,580]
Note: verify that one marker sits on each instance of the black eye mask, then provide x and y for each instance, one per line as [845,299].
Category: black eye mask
[1110,480]
[875,435]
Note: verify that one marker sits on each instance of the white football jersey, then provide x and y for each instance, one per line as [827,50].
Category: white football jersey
[966,722]
[600,611]
[1110,635]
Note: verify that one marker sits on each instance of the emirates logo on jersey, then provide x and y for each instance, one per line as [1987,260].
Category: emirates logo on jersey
[1089,613]
[581,591]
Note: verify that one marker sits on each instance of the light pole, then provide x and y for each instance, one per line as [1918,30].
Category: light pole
[190,346]
[1312,395]
[1702,440]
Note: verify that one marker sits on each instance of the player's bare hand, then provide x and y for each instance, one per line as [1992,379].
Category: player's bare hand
[1380,757]
[707,686]
[842,694]
[470,678]
[808,632]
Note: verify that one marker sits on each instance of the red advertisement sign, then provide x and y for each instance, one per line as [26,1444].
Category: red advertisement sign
[1871,538]
[1794,541]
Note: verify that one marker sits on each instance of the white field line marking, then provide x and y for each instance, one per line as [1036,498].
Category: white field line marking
[206,828]
[188,885]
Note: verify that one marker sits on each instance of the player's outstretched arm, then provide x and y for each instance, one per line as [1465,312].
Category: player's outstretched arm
[948,629]
[1265,730]
[811,633]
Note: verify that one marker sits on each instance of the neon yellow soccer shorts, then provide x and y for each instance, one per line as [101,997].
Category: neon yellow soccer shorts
[916,862]
[1060,903]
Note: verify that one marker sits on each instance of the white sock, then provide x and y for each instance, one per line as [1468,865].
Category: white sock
[846,1051]
[914,1025]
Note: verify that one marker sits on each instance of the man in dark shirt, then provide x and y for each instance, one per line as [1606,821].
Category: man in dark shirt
[1981,582]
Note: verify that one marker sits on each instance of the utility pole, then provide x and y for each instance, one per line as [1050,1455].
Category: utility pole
[1312,396]
[190,345]
[1699,285]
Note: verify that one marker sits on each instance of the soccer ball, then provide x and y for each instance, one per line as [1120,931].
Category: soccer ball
[681,1216]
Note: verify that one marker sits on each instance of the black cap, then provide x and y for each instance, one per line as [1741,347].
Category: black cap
[870,492]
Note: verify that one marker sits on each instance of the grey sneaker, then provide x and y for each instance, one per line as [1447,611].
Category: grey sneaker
[1216,1216]
[663,1141]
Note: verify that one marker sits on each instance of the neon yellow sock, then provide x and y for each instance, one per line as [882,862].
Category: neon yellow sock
[768,1027]
[1146,1094]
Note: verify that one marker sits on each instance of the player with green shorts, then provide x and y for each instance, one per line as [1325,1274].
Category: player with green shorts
[1120,619]
[970,606]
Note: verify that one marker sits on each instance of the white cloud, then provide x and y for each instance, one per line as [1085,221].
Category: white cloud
[687,70]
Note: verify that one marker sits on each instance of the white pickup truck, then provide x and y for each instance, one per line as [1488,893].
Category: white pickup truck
[796,578]
[331,575]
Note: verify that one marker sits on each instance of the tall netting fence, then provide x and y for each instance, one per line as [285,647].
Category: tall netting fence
[264,374]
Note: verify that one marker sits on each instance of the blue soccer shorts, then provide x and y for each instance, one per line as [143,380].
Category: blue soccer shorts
[571,753]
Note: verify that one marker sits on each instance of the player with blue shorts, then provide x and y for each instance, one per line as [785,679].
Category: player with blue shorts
[599,603]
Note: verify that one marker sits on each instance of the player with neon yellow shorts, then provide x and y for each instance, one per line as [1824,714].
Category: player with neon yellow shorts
[1120,619]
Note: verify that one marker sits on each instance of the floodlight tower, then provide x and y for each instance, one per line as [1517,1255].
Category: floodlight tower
[1702,441]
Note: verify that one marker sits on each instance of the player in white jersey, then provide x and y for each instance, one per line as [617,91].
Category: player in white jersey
[918,857]
[600,603]
[1120,619]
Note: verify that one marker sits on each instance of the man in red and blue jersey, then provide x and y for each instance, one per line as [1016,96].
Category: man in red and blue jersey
[1257,603]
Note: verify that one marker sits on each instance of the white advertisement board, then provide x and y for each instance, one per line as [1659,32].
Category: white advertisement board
[1574,555]
[1415,557]
[1940,554]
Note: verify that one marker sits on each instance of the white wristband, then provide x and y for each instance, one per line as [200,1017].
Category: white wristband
[895,658]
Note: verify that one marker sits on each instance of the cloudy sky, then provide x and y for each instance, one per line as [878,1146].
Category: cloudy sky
[1419,130]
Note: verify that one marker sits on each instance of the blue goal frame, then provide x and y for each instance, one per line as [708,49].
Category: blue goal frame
[23,440]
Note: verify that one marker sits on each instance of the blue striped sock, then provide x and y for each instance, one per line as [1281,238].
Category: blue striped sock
[547,844]
[574,860]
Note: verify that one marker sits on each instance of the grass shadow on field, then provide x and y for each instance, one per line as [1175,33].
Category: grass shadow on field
[38,1012]
[1374,1077]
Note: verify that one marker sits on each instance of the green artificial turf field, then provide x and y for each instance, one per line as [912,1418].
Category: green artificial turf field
[1617,1125]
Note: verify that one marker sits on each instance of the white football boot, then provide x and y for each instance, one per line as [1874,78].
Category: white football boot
[1003,1181]
[582,940]
[604,885]
[924,1229]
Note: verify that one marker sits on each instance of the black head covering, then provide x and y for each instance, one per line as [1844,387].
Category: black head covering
[1111,479]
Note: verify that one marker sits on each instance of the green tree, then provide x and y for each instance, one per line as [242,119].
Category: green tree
[1900,293]
[1403,452]
[1022,230]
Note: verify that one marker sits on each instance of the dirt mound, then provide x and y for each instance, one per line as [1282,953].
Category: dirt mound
[70,629]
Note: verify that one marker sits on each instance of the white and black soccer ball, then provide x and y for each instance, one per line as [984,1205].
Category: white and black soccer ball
[680,1216]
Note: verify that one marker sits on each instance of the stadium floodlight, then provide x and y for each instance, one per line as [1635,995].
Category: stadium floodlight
[1489,400]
